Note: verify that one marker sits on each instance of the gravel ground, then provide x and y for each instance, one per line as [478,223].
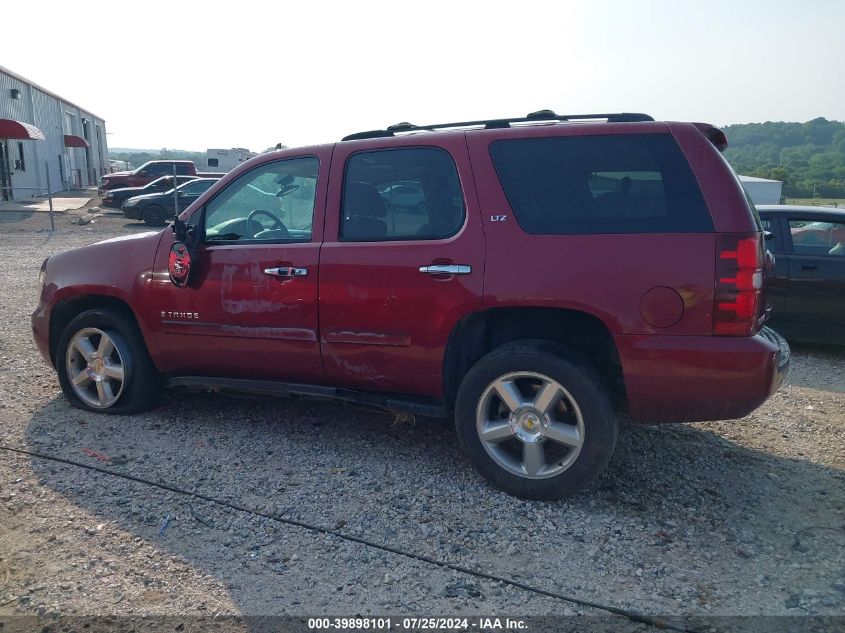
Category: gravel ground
[729,518]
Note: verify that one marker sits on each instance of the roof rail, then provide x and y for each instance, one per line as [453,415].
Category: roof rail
[490,124]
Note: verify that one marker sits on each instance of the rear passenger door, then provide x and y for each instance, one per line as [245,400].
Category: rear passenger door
[817,275]
[397,272]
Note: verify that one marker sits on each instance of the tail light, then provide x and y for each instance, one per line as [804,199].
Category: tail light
[739,303]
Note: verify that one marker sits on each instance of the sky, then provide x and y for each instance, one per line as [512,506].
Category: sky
[197,75]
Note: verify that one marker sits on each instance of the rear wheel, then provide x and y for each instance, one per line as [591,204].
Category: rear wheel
[534,421]
[155,215]
[103,365]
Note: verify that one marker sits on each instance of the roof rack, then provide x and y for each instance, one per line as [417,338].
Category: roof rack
[491,124]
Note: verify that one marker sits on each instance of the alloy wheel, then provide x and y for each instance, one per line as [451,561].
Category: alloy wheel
[530,425]
[95,368]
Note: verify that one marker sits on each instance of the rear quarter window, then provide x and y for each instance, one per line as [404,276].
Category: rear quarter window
[634,183]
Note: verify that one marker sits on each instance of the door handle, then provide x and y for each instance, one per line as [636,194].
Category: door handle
[286,272]
[446,269]
[809,266]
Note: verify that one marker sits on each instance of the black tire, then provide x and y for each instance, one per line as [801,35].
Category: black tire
[141,383]
[583,384]
[155,215]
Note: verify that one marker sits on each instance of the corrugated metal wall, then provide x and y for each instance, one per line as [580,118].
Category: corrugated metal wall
[48,114]
[19,109]
[48,119]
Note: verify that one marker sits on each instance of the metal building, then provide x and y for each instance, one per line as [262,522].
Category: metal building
[41,132]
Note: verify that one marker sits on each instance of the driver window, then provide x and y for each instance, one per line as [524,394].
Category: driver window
[274,202]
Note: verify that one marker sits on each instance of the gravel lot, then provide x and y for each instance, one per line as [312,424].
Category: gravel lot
[739,518]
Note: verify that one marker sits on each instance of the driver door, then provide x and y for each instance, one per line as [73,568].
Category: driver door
[250,310]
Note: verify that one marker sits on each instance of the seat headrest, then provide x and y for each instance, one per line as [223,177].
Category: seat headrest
[363,201]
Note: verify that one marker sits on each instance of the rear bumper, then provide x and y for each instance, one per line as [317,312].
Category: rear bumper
[692,378]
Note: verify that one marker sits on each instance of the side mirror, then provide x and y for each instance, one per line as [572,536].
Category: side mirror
[143,173]
[768,235]
[179,264]
[182,253]
[184,233]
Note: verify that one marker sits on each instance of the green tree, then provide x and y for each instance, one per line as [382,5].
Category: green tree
[808,157]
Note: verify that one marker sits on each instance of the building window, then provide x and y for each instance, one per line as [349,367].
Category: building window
[213,162]
[20,163]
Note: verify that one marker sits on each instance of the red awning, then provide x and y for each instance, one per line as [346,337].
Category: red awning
[75,141]
[9,128]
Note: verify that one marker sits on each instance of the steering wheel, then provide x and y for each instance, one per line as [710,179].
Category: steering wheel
[278,225]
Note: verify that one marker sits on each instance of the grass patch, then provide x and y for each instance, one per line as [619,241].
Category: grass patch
[817,202]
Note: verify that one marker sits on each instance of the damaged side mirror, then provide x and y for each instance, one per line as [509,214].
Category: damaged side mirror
[182,253]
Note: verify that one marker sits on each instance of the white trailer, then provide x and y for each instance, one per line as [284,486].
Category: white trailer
[762,190]
[225,159]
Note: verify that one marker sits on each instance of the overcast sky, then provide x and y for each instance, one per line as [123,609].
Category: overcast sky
[194,75]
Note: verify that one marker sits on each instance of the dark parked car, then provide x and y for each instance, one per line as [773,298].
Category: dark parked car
[561,271]
[807,288]
[116,197]
[149,171]
[156,208]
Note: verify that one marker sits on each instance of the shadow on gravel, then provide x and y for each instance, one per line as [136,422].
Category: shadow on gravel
[682,522]
[11,217]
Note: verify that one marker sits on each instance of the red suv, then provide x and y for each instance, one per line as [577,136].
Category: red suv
[556,272]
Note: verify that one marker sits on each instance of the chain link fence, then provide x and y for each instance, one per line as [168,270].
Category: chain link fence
[20,204]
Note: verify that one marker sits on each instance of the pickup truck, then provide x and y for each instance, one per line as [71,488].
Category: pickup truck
[560,272]
[150,171]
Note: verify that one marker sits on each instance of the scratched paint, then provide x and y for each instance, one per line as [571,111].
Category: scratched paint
[234,304]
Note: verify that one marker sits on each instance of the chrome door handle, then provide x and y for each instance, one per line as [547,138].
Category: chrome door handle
[446,269]
[286,272]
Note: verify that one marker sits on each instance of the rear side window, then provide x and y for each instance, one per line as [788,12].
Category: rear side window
[633,183]
[401,194]
[817,237]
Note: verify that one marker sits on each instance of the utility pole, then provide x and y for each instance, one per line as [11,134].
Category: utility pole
[175,194]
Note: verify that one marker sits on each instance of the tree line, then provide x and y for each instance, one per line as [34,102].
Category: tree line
[808,157]
[139,158]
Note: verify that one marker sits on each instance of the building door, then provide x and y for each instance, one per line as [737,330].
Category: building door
[72,175]
[101,162]
[5,171]
[89,165]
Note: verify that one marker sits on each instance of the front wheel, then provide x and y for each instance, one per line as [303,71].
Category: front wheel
[155,215]
[534,421]
[103,365]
